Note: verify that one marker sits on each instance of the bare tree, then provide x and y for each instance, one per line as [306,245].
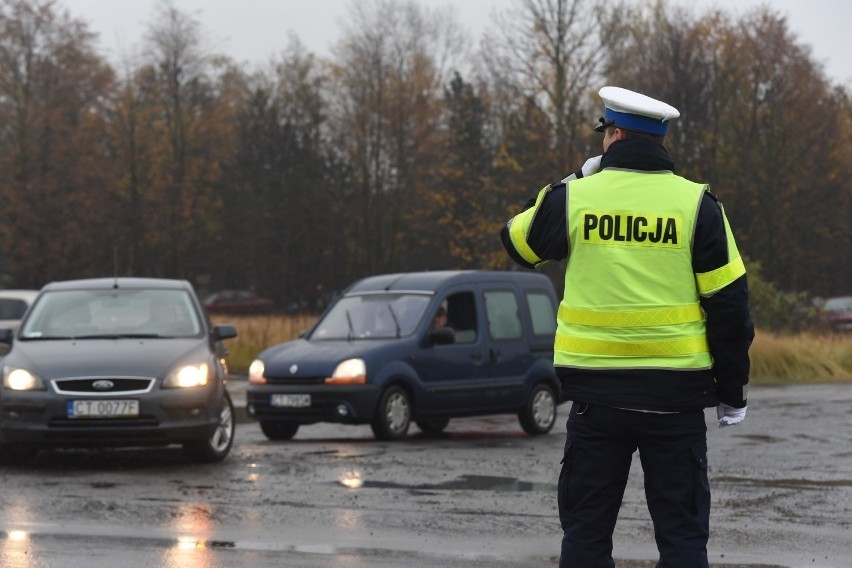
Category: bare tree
[391,66]
[553,53]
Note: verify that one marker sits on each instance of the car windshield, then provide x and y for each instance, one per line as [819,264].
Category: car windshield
[838,304]
[372,316]
[93,314]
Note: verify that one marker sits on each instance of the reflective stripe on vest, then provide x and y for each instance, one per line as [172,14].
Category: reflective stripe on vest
[683,346]
[635,318]
[519,230]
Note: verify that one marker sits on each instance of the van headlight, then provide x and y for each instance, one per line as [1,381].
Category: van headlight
[188,376]
[18,379]
[256,370]
[349,372]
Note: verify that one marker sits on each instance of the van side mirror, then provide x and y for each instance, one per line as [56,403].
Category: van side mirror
[442,336]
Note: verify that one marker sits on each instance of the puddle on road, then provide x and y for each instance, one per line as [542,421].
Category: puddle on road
[465,483]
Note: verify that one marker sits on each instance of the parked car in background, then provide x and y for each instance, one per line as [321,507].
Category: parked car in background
[376,357]
[836,314]
[115,362]
[13,306]
[238,302]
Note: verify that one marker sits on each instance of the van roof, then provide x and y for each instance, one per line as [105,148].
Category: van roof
[431,281]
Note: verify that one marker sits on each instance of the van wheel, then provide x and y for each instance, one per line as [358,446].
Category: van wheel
[393,415]
[539,413]
[433,426]
[218,444]
[277,430]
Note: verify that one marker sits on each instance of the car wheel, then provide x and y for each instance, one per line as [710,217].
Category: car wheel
[17,454]
[277,430]
[217,446]
[539,413]
[393,415]
[433,426]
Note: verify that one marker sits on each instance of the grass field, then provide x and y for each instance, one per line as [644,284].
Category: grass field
[775,358]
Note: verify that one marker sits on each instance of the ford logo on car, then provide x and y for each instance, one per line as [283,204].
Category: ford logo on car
[102,385]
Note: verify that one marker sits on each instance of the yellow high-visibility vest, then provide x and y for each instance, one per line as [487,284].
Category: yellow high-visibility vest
[631,296]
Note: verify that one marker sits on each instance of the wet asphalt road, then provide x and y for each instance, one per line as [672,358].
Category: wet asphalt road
[483,495]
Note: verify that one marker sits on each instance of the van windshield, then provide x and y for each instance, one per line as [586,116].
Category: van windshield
[372,316]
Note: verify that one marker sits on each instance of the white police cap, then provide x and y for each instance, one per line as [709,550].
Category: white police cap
[634,111]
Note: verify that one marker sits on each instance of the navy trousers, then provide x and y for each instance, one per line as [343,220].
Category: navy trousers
[599,447]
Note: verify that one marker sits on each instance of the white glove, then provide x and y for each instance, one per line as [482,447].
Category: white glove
[728,415]
[592,166]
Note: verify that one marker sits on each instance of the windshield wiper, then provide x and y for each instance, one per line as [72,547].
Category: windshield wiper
[119,336]
[395,320]
[351,327]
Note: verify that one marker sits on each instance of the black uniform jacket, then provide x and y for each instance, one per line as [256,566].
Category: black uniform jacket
[729,326]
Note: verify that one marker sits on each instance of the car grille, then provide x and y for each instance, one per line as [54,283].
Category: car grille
[104,385]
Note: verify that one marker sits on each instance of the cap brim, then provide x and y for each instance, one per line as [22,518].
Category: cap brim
[604,123]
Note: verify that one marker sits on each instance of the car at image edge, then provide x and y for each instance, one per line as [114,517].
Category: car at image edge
[13,306]
[116,362]
[375,358]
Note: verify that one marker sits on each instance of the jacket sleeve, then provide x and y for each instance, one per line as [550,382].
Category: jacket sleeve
[539,233]
[723,288]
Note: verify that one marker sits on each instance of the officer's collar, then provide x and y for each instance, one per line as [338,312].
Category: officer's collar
[637,154]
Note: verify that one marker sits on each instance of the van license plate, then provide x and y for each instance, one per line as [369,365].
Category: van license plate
[290,400]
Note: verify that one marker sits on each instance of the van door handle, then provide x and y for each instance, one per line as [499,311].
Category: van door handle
[494,354]
[476,354]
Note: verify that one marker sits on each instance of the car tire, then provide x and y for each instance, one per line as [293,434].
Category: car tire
[278,430]
[215,447]
[393,415]
[539,413]
[433,426]
[17,454]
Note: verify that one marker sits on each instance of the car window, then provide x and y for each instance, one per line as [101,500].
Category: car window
[461,316]
[372,316]
[504,320]
[107,313]
[838,304]
[11,309]
[542,313]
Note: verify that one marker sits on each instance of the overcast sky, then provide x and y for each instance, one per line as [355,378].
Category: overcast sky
[255,30]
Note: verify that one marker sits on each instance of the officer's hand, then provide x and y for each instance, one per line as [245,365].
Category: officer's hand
[592,166]
[728,415]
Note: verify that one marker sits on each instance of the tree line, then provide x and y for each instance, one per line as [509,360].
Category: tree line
[406,149]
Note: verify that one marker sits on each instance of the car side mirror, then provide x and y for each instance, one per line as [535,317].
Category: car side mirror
[442,336]
[223,331]
[7,335]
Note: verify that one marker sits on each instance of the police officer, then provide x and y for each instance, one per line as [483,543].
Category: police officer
[652,329]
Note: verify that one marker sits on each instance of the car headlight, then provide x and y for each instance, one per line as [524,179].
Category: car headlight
[256,370]
[21,380]
[349,372]
[188,376]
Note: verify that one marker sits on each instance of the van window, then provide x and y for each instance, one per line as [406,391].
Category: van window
[461,316]
[504,320]
[543,314]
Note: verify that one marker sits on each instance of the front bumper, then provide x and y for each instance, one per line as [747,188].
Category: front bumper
[165,417]
[326,403]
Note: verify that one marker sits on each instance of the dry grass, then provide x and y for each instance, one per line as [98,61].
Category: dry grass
[801,358]
[775,359]
[256,333]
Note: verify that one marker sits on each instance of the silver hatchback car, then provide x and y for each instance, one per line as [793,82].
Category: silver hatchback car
[116,362]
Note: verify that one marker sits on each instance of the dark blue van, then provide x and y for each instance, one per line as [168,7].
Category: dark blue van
[423,347]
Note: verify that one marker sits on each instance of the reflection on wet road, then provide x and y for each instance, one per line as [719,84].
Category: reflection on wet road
[482,495]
